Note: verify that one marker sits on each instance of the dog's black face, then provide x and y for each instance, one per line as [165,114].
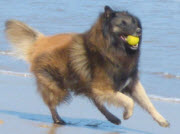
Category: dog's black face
[118,25]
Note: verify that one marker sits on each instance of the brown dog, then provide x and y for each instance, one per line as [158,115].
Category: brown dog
[99,64]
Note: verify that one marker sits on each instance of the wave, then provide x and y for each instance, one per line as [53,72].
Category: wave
[6,53]
[167,75]
[15,73]
[152,97]
[164,99]
[162,74]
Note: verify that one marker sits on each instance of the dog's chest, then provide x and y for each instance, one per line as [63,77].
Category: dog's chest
[121,76]
[121,80]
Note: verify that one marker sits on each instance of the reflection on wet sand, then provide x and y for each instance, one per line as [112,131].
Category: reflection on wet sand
[93,124]
[1,122]
[53,130]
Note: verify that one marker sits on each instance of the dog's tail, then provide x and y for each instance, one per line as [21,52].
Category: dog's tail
[22,38]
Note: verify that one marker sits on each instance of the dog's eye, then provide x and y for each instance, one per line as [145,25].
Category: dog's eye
[121,24]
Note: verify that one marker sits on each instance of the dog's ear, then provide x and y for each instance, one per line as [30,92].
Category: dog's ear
[108,11]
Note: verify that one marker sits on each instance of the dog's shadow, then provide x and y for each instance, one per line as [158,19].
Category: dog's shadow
[83,123]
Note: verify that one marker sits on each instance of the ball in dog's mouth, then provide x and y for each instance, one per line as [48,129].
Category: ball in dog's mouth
[131,40]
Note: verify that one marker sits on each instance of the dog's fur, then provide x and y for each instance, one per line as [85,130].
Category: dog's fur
[98,64]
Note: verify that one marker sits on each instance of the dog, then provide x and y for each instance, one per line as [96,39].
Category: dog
[99,64]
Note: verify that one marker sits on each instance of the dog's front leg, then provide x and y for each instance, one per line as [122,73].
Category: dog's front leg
[114,98]
[140,96]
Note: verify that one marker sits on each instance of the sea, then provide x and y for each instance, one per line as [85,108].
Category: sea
[160,50]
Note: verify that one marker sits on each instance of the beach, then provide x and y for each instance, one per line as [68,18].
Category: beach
[22,110]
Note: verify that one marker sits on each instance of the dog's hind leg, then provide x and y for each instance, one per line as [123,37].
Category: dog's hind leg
[52,95]
[112,118]
[140,96]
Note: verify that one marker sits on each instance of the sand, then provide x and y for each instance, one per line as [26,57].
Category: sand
[23,112]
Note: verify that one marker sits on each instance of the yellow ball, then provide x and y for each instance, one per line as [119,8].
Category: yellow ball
[132,40]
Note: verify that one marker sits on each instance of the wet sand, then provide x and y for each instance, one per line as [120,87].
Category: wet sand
[22,111]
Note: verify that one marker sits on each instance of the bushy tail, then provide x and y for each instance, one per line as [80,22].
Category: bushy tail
[22,38]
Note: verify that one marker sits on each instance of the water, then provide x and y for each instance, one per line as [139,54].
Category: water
[160,54]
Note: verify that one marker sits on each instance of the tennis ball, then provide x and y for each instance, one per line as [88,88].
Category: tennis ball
[132,40]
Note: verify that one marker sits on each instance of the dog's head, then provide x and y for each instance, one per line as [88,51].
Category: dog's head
[118,25]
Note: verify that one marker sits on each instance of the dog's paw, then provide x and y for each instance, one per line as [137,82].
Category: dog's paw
[59,122]
[160,120]
[128,110]
[164,123]
[127,114]
[115,120]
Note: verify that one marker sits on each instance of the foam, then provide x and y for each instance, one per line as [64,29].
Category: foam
[164,99]
[7,53]
[152,97]
[164,75]
[15,73]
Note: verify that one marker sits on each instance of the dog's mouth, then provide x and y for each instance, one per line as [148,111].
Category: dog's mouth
[124,38]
